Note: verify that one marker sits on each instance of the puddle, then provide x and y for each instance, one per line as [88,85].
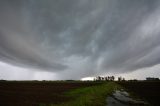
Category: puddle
[113,102]
[122,98]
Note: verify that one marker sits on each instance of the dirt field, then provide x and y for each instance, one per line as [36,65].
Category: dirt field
[149,90]
[35,92]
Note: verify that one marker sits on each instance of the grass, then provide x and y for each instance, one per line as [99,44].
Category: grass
[89,96]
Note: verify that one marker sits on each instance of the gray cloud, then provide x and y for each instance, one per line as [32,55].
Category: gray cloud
[80,38]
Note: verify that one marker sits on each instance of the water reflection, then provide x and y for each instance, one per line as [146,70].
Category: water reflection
[113,102]
[121,98]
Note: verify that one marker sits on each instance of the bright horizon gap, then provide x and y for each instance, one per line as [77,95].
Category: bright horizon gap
[128,76]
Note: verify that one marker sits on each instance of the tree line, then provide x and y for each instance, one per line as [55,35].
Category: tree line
[108,78]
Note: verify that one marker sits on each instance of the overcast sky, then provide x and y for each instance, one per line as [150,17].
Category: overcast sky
[73,39]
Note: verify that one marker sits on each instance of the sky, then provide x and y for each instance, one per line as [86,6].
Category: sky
[75,39]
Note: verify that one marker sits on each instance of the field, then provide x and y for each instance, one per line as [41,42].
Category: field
[148,90]
[43,93]
[72,93]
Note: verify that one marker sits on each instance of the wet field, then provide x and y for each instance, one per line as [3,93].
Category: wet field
[31,93]
[146,90]
[122,98]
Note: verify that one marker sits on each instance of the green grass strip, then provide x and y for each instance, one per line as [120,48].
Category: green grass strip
[89,96]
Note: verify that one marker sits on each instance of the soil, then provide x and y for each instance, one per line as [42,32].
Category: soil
[32,93]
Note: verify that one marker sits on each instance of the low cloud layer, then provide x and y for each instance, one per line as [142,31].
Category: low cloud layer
[80,38]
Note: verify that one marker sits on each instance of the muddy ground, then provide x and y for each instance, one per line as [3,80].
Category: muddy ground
[32,93]
[148,90]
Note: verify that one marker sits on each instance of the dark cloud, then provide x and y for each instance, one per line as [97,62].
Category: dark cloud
[84,38]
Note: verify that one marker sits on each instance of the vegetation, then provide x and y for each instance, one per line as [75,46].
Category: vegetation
[72,93]
[89,96]
[105,78]
[32,93]
[55,93]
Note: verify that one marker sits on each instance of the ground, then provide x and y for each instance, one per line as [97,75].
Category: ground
[71,93]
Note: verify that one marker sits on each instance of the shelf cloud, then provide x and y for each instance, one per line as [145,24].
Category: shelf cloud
[80,38]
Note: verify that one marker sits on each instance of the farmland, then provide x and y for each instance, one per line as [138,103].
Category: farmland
[39,93]
[72,93]
[148,90]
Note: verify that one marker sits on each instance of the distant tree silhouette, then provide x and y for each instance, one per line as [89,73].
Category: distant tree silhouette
[121,79]
[152,79]
[105,78]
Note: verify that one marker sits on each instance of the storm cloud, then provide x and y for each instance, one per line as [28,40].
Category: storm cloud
[80,38]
